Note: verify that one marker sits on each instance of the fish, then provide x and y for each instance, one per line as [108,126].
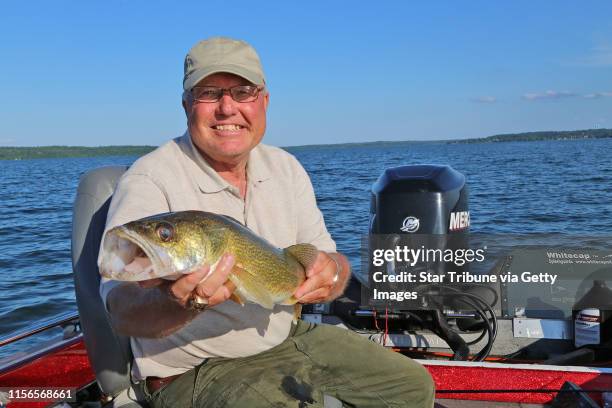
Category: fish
[171,244]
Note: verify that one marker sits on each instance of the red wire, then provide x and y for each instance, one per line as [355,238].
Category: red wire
[375,321]
[386,332]
[386,326]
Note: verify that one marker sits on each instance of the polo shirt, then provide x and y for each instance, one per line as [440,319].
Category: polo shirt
[280,206]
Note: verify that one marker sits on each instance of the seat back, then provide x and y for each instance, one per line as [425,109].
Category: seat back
[109,352]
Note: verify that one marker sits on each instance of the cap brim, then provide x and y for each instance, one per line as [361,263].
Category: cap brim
[199,74]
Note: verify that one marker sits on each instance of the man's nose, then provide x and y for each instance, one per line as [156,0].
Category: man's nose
[226,105]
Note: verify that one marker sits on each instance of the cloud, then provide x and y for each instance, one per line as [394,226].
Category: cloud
[484,99]
[6,141]
[548,95]
[597,95]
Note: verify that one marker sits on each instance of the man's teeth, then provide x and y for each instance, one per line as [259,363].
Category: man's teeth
[227,127]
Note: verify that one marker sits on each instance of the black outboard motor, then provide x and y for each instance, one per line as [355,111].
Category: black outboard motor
[421,206]
[430,202]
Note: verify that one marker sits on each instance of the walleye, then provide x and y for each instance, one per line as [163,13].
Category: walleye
[171,244]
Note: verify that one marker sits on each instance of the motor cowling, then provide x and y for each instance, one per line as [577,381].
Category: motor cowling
[421,199]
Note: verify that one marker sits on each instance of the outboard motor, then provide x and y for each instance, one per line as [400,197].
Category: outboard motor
[423,206]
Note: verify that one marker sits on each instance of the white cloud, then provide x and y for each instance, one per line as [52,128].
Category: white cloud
[597,95]
[484,99]
[548,95]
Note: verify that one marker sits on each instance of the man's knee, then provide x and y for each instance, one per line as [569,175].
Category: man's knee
[422,385]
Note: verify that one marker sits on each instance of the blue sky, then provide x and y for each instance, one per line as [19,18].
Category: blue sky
[105,73]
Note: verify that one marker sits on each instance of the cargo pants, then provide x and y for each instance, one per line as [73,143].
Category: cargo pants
[314,360]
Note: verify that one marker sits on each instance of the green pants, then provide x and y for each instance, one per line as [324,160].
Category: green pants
[314,361]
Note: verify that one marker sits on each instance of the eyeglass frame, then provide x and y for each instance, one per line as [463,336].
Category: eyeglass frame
[227,91]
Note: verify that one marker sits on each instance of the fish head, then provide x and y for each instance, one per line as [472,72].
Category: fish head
[162,246]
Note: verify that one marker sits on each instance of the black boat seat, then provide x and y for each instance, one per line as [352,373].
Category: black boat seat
[109,352]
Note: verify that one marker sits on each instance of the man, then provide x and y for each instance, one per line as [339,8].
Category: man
[191,345]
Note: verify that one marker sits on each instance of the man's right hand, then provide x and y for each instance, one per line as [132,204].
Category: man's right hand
[158,307]
[214,288]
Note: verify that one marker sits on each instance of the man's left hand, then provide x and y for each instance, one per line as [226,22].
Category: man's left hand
[321,285]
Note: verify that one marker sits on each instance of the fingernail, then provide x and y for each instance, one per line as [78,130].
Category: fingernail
[229,258]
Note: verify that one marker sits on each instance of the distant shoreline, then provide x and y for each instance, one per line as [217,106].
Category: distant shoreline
[47,152]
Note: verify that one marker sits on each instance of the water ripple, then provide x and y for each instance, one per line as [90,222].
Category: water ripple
[515,188]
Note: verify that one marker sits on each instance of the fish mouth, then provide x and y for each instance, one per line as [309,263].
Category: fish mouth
[127,257]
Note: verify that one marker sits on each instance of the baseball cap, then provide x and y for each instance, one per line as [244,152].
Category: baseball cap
[221,54]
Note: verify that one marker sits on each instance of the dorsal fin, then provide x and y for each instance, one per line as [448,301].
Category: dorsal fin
[306,254]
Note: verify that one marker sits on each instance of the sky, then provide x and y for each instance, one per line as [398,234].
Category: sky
[93,73]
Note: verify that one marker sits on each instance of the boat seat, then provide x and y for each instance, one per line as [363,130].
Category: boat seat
[109,352]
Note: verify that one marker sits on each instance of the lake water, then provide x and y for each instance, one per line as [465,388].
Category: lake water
[560,187]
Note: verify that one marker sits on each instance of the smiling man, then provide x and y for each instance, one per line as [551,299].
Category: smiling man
[193,347]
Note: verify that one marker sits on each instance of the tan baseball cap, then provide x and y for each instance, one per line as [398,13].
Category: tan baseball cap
[220,54]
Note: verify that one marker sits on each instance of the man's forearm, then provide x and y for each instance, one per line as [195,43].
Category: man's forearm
[151,312]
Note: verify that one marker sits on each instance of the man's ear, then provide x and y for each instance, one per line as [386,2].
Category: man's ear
[187,102]
[266,100]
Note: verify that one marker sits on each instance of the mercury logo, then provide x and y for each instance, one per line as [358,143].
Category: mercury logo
[410,224]
[459,220]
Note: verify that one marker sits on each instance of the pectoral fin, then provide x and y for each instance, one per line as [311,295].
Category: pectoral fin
[248,287]
[297,307]
[306,254]
[297,312]
[237,298]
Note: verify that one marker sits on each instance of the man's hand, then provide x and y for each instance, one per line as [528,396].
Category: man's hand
[321,285]
[214,288]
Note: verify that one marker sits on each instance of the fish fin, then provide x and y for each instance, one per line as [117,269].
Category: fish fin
[291,300]
[306,254]
[237,298]
[247,284]
[297,312]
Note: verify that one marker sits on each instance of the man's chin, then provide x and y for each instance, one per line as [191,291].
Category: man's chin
[229,156]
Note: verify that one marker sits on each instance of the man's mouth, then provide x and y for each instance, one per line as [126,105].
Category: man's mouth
[228,127]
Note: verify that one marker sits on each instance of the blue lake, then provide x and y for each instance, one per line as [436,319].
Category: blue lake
[562,187]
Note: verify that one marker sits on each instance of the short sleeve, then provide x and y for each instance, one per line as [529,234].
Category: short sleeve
[136,196]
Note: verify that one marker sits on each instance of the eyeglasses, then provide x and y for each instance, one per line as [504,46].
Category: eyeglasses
[239,93]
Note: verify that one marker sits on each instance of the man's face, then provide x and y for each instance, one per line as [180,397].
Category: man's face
[226,130]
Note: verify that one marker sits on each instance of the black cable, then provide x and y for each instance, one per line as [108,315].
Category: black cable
[482,334]
[482,354]
[491,328]
[482,301]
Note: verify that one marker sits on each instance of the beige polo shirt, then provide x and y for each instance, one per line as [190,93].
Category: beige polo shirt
[280,206]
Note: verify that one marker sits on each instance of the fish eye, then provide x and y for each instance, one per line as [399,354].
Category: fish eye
[165,232]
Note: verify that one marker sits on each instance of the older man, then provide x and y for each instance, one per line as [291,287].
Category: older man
[193,347]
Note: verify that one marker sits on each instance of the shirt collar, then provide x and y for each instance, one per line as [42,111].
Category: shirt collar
[211,181]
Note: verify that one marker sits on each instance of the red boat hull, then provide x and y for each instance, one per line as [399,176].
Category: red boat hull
[522,383]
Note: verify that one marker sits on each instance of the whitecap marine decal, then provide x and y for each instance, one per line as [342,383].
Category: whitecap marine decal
[459,220]
[410,224]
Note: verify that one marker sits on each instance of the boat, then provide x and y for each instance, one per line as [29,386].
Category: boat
[88,364]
